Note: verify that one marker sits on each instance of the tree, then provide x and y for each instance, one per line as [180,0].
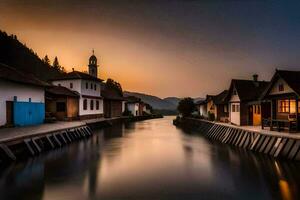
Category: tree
[186,106]
[46,60]
[56,64]
[111,84]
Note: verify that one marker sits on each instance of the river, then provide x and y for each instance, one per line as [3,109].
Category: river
[149,160]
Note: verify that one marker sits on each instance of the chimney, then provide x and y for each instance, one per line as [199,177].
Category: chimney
[73,69]
[255,77]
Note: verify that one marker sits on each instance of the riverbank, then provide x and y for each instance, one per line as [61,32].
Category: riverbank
[276,144]
[21,142]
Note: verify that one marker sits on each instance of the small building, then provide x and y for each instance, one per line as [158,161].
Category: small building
[244,104]
[113,102]
[147,109]
[22,99]
[221,106]
[62,103]
[133,105]
[88,86]
[281,101]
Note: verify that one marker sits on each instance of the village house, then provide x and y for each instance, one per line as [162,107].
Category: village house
[113,102]
[147,109]
[214,107]
[22,99]
[134,105]
[244,103]
[88,86]
[62,103]
[281,101]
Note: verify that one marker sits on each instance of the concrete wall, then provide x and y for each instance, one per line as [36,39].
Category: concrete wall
[23,92]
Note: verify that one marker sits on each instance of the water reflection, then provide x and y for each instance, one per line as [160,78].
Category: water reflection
[150,160]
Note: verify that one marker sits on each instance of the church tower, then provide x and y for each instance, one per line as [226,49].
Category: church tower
[93,67]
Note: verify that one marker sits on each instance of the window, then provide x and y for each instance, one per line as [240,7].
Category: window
[283,106]
[237,108]
[91,85]
[280,87]
[59,84]
[233,108]
[86,85]
[258,109]
[71,85]
[292,106]
[60,107]
[95,87]
[84,104]
[92,104]
[97,105]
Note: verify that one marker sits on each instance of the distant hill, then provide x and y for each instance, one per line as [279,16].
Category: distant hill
[172,100]
[155,102]
[17,55]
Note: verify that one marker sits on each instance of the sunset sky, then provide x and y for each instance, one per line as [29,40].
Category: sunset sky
[162,47]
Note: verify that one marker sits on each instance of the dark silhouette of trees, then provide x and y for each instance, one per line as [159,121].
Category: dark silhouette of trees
[56,64]
[46,60]
[111,84]
[17,55]
[186,106]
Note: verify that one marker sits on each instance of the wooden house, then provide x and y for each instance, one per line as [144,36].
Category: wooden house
[22,99]
[244,101]
[62,103]
[281,101]
[113,102]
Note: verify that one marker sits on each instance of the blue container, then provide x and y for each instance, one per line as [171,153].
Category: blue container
[28,113]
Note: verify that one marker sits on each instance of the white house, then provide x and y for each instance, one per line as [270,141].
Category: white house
[133,105]
[22,99]
[89,88]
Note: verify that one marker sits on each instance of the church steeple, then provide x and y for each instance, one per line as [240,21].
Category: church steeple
[93,67]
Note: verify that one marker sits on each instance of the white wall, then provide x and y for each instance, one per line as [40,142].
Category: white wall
[22,91]
[88,111]
[234,117]
[133,108]
[123,106]
[203,110]
[275,88]
[66,83]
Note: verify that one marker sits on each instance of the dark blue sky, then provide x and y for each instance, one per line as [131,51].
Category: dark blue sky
[156,46]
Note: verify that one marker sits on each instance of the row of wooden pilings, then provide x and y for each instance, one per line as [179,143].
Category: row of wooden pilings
[22,148]
[276,146]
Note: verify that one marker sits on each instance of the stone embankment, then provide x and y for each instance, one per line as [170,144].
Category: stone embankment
[278,145]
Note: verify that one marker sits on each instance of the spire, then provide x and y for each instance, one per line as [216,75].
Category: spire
[93,52]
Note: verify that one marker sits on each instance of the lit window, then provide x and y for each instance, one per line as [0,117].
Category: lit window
[292,106]
[283,106]
[258,109]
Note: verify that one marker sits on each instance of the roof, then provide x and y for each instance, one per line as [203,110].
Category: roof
[220,98]
[247,90]
[77,75]
[61,91]
[201,102]
[292,78]
[133,99]
[11,74]
[109,93]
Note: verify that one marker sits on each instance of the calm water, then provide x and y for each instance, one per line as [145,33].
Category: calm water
[150,160]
